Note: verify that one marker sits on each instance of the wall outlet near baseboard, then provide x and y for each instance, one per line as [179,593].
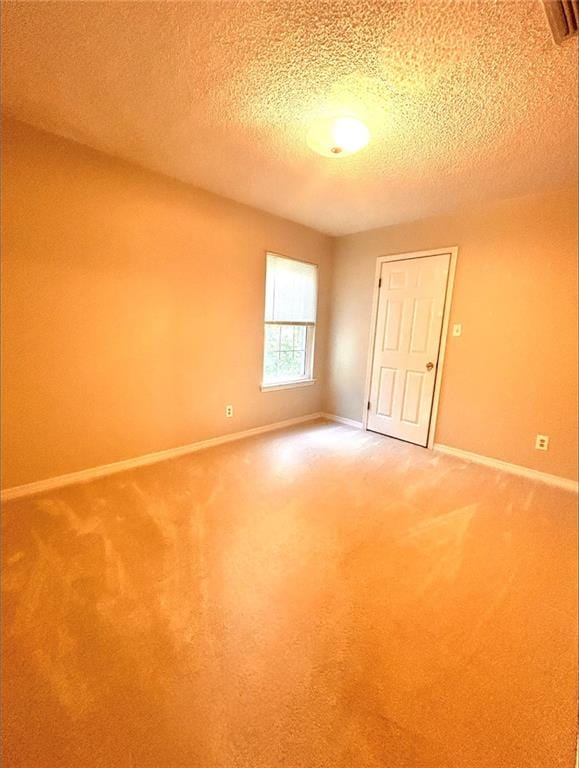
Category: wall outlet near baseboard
[542,442]
[228,411]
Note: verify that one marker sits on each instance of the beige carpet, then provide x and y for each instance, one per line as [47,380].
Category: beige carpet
[317,597]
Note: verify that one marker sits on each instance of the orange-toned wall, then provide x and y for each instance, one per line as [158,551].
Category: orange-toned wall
[132,310]
[132,313]
[513,372]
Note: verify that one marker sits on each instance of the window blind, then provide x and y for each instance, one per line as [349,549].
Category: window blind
[290,291]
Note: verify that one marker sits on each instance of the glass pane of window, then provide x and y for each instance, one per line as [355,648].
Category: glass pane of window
[299,337]
[272,333]
[271,365]
[299,362]
[287,338]
[285,364]
[285,353]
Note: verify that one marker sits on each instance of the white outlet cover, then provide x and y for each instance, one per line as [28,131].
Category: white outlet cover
[229,411]
[542,442]
[457,329]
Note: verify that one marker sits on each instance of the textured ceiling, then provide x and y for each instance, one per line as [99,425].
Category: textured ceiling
[465,101]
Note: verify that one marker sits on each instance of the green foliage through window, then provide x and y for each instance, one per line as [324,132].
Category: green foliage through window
[285,352]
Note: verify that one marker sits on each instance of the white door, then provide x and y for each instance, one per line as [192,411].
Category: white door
[410,310]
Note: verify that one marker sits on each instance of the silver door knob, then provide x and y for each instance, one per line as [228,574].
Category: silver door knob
[429,366]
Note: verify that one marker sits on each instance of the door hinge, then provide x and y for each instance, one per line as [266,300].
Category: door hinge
[380,282]
[368,405]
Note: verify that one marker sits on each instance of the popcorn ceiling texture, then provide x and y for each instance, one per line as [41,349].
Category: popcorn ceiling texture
[466,101]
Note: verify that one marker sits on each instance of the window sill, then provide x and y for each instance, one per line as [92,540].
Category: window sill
[287,385]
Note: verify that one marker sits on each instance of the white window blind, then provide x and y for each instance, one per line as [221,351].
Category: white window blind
[290,291]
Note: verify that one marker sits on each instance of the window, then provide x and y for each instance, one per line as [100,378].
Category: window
[291,291]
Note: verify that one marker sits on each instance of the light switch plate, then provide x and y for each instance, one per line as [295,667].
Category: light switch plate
[456,329]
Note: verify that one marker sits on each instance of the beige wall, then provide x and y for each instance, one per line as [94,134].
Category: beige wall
[132,310]
[132,313]
[513,372]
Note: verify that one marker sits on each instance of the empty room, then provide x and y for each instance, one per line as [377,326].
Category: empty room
[289,384]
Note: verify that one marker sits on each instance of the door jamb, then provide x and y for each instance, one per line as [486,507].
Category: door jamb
[453,251]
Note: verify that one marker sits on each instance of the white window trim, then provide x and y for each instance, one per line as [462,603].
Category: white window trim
[310,347]
[294,384]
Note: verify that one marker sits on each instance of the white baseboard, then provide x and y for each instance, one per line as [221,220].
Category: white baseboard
[514,469]
[342,420]
[477,458]
[84,475]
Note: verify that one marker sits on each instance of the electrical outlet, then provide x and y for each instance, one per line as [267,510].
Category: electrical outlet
[457,329]
[542,442]
[229,411]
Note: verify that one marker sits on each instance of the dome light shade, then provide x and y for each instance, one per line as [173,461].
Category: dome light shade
[338,136]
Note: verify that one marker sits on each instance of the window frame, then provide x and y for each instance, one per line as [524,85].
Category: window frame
[308,378]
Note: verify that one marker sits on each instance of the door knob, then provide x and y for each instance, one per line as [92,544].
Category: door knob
[429,366]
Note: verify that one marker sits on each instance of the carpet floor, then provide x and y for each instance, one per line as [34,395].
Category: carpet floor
[317,597]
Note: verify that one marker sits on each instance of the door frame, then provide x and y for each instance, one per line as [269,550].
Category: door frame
[453,251]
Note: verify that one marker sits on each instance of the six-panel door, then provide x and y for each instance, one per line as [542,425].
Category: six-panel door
[406,346]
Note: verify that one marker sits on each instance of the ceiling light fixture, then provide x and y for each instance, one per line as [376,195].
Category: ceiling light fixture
[338,136]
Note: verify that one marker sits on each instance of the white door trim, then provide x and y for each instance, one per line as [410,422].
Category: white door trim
[453,251]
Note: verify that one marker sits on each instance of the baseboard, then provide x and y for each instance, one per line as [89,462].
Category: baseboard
[85,475]
[514,469]
[477,458]
[342,420]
